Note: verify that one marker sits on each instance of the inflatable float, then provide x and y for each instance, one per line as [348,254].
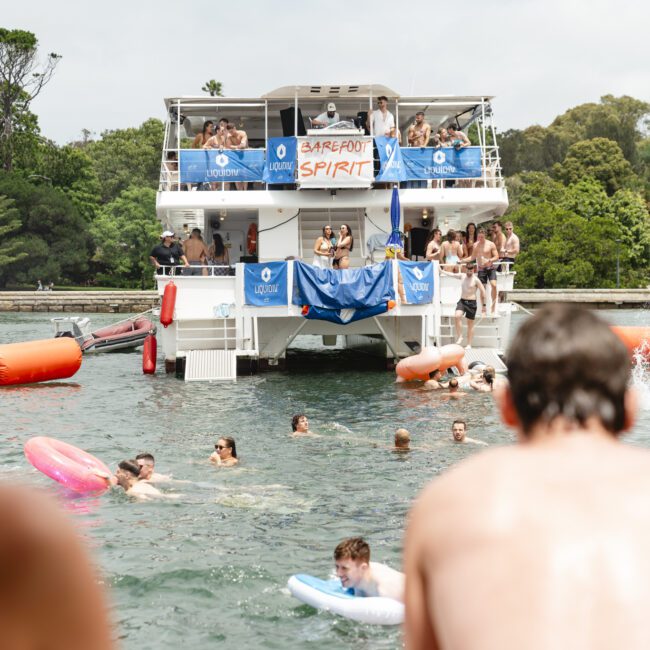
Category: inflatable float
[34,361]
[330,596]
[67,464]
[418,366]
[636,340]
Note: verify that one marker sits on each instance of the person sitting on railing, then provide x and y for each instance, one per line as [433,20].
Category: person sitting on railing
[328,118]
[457,137]
[167,254]
[218,256]
[236,139]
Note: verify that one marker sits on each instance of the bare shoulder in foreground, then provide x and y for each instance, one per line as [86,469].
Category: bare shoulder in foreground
[49,591]
[543,544]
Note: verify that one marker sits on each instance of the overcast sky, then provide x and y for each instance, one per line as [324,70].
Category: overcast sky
[538,58]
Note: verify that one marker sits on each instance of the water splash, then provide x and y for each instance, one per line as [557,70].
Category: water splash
[641,374]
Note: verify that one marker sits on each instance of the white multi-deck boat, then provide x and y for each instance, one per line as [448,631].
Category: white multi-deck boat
[299,179]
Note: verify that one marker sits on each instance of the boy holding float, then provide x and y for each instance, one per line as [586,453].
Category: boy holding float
[366,578]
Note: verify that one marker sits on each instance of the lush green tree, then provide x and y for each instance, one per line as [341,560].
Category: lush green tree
[125,231]
[563,249]
[21,80]
[128,157]
[53,234]
[599,158]
[213,88]
[630,212]
[11,251]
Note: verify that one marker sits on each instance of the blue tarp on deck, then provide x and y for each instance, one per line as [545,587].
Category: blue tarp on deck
[368,286]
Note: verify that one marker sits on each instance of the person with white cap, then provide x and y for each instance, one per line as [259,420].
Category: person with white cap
[328,118]
[167,254]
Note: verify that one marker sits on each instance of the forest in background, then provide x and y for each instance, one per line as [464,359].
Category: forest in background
[83,214]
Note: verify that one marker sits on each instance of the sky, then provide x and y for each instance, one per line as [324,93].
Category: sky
[538,58]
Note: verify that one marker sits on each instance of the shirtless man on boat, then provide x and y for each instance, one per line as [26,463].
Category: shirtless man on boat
[485,254]
[366,578]
[467,305]
[542,544]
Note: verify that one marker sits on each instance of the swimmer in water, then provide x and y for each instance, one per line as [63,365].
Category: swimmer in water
[459,433]
[485,382]
[225,452]
[147,464]
[402,440]
[434,382]
[366,578]
[127,475]
[300,426]
[453,392]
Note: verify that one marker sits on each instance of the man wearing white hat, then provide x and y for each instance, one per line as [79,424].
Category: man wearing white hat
[167,254]
[328,118]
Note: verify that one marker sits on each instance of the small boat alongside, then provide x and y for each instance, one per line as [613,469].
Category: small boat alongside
[129,333]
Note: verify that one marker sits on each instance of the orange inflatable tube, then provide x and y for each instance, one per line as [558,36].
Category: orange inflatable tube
[418,366]
[34,361]
[635,339]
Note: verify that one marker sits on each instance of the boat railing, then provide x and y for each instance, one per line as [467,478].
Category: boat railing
[249,173]
[204,271]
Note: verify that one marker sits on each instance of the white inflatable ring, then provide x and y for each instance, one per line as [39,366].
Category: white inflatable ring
[330,596]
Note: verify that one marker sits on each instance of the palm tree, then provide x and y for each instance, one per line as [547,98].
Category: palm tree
[213,88]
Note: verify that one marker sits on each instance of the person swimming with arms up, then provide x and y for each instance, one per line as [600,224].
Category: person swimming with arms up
[366,578]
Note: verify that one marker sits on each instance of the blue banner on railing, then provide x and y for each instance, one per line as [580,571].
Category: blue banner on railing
[357,288]
[265,285]
[425,162]
[418,282]
[392,167]
[221,165]
[280,164]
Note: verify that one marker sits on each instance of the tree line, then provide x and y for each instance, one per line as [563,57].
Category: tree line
[85,212]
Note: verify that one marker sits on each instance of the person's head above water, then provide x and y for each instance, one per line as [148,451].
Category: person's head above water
[453,385]
[436,375]
[127,473]
[226,448]
[568,369]
[352,561]
[402,439]
[488,374]
[300,423]
[146,463]
[459,430]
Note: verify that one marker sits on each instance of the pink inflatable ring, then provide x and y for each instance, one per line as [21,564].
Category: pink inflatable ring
[66,464]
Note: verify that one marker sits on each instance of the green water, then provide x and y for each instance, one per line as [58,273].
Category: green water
[210,569]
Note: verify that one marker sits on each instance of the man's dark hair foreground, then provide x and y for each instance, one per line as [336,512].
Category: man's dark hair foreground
[565,361]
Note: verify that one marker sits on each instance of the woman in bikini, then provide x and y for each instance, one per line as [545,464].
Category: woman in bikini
[343,248]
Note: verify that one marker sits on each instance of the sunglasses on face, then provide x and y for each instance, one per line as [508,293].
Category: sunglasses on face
[220,447]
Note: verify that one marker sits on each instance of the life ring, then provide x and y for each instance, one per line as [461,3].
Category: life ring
[66,464]
[251,239]
[418,366]
[330,595]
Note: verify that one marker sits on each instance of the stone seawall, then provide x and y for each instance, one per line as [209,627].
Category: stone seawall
[593,298]
[119,302]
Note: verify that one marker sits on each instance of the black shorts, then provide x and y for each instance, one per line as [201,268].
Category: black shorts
[485,275]
[468,307]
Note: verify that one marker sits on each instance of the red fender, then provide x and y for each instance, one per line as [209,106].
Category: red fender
[149,353]
[168,304]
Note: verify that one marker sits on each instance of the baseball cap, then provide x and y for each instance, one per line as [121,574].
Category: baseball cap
[167,233]
[331,106]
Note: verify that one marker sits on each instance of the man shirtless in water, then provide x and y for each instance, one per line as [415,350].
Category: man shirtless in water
[543,544]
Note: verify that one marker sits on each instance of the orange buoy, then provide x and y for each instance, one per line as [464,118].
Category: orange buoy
[635,339]
[418,366]
[168,304]
[34,361]
[149,353]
